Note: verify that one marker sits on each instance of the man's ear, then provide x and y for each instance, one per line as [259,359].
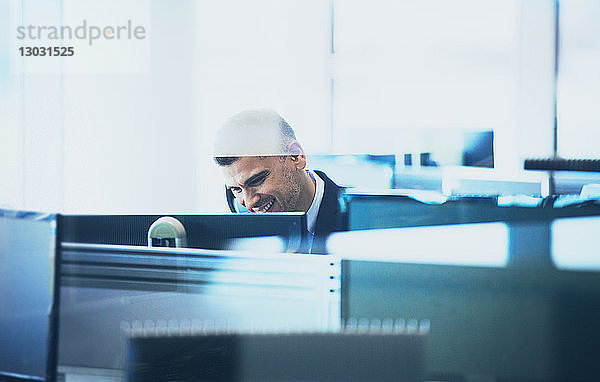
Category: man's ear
[296,155]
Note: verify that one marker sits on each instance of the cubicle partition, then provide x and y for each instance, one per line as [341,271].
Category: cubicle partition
[491,318]
[496,324]
[111,285]
[109,292]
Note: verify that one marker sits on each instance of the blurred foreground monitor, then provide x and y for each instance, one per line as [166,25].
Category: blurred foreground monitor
[358,354]
[29,281]
[207,231]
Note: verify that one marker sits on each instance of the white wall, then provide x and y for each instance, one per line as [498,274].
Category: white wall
[105,142]
[130,130]
[31,121]
[130,139]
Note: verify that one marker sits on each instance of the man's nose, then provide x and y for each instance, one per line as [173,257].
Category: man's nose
[251,198]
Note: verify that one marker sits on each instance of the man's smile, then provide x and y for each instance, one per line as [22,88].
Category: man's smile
[264,208]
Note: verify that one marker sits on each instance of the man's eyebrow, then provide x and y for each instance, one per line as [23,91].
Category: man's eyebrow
[256,177]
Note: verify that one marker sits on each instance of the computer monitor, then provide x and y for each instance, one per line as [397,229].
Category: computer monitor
[395,208]
[478,149]
[529,227]
[206,231]
[29,263]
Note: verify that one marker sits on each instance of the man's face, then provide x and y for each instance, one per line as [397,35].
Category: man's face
[265,184]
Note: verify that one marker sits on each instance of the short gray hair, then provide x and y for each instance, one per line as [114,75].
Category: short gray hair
[241,122]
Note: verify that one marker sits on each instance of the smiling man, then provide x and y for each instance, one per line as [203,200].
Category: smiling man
[265,170]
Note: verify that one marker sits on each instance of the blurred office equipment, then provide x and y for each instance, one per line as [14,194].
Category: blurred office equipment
[566,176]
[516,318]
[421,169]
[572,182]
[29,282]
[167,232]
[469,181]
[357,170]
[372,354]
[478,149]
[580,230]
[479,244]
[208,231]
[561,164]
[108,291]
[388,209]
[590,191]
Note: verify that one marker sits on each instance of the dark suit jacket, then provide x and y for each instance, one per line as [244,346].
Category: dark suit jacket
[332,213]
[331,216]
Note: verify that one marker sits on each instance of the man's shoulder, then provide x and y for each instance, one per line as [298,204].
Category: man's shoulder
[330,185]
[331,194]
[330,217]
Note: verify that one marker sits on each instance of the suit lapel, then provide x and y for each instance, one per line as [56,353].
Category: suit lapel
[328,216]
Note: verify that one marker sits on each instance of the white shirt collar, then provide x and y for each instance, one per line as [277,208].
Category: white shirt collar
[313,210]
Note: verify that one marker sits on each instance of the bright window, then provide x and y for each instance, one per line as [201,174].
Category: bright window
[579,79]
